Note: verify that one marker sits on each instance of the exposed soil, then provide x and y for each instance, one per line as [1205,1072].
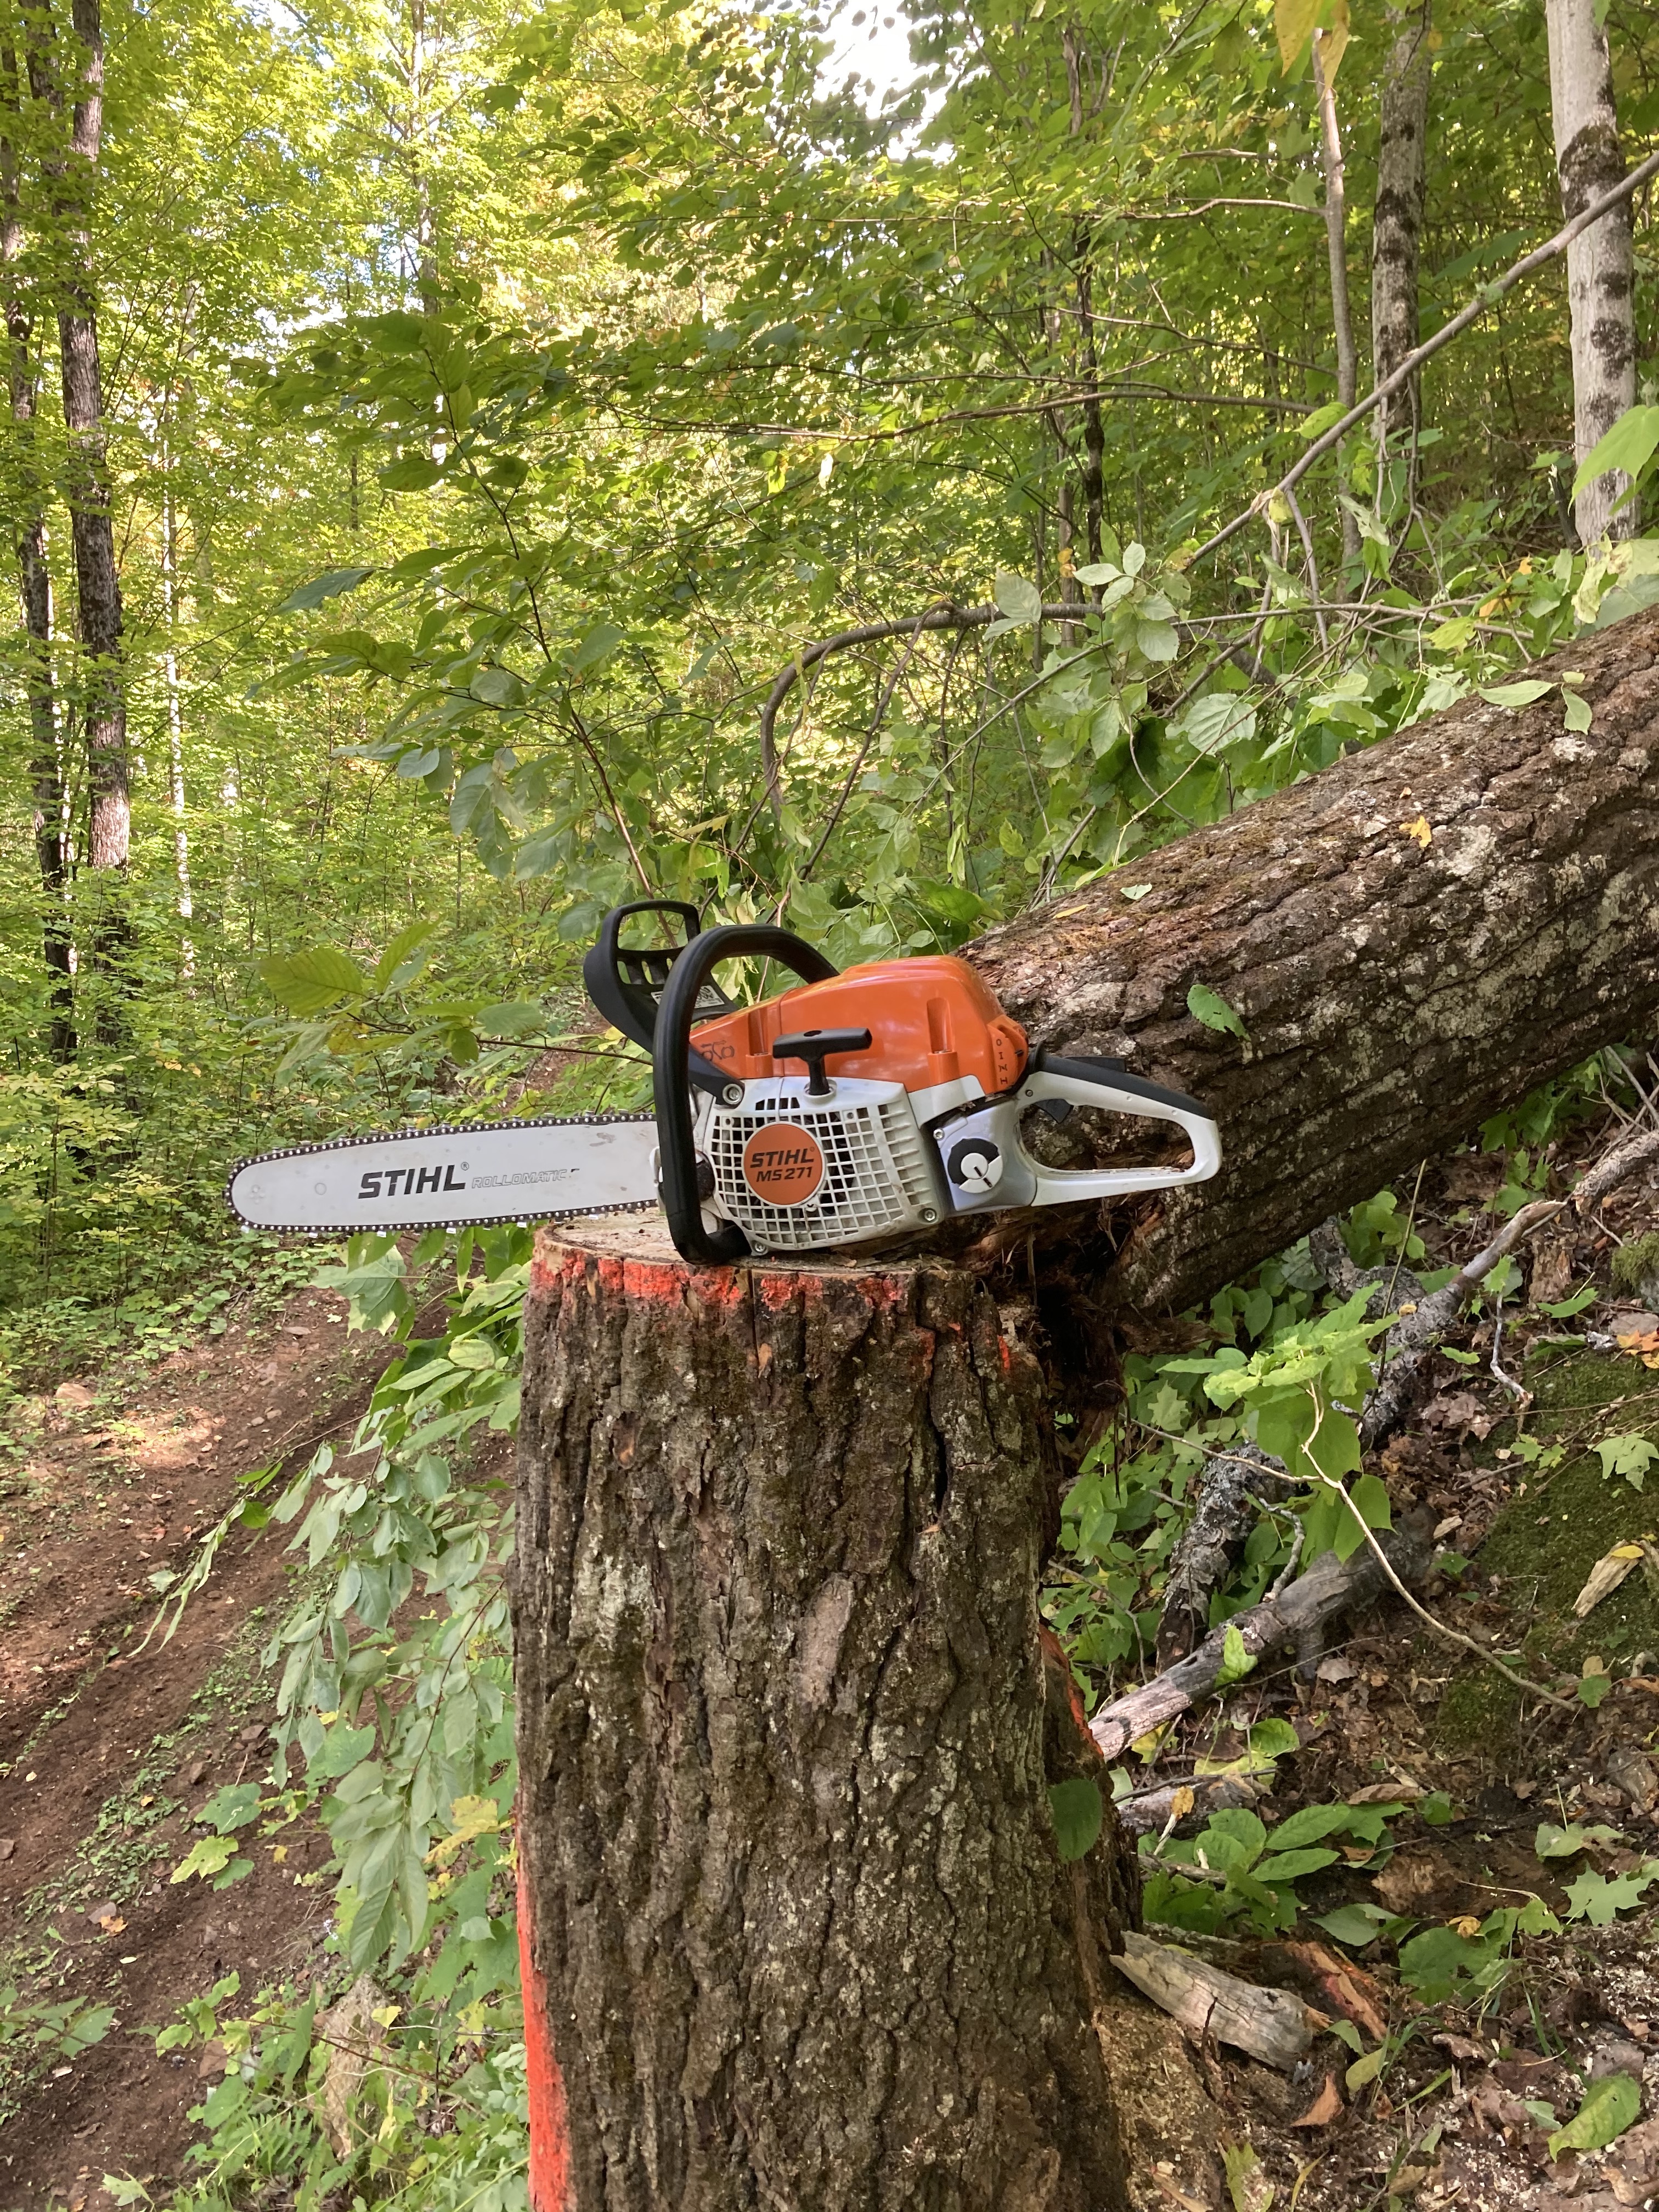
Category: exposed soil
[104,1756]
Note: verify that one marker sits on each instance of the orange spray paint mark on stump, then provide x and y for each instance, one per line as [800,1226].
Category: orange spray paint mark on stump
[549,2123]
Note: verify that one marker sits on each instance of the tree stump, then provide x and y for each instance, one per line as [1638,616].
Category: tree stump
[797,1928]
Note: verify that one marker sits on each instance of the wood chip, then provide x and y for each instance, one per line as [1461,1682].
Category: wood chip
[1605,1576]
[1326,2107]
[1270,2025]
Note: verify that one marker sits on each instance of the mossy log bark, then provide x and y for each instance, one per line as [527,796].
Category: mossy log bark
[1412,940]
[796,1917]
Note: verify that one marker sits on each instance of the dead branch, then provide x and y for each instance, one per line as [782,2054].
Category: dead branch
[1294,1617]
[1271,2025]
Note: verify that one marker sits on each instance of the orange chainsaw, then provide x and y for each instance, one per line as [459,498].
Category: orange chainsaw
[854,1107]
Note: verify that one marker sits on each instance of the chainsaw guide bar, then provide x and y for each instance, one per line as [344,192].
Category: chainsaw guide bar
[256,1201]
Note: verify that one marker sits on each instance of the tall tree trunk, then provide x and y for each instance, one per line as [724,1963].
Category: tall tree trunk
[97,582]
[34,583]
[176,716]
[1397,217]
[1599,275]
[1325,56]
[797,1928]
[1412,939]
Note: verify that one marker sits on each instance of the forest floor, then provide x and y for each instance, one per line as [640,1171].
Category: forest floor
[106,1750]
[1476,2075]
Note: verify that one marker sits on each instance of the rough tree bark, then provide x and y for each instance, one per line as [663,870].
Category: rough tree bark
[793,1897]
[1417,936]
[1600,274]
[1397,211]
[35,585]
[97,578]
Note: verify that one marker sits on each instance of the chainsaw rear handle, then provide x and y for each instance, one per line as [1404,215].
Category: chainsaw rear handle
[1097,1083]
[672,1055]
[985,1162]
[627,986]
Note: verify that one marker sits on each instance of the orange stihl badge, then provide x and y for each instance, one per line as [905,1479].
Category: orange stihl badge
[783,1165]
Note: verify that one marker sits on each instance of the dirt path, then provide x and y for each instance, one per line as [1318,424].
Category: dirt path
[103,1756]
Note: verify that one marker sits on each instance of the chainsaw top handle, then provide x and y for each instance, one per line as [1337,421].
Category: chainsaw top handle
[682,1201]
[626,983]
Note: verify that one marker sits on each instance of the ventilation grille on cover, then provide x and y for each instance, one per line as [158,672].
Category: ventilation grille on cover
[875,1179]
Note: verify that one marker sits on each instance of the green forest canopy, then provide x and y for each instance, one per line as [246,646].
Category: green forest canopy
[495,405]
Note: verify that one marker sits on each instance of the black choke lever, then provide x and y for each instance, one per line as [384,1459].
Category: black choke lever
[814,1046]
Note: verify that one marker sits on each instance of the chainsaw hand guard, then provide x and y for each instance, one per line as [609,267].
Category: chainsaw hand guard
[682,1201]
[986,1164]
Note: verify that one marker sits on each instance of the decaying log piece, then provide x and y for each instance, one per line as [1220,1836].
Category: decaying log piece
[1412,939]
[792,1891]
[1293,1618]
[1271,2025]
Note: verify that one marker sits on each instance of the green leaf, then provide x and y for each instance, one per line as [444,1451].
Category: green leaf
[1020,601]
[1355,1924]
[1628,1454]
[1077,1809]
[1629,445]
[84,2029]
[1554,1843]
[1515,694]
[329,585]
[1366,2068]
[513,1018]
[232,1807]
[1315,425]
[207,1855]
[1594,1898]
[1577,713]
[1369,1501]
[1209,1007]
[600,643]
[497,687]
[1272,1739]
[1310,1825]
[1609,2107]
[392,971]
[306,982]
[1237,1662]
[414,472]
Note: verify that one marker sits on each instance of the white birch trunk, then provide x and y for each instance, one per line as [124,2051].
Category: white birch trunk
[1325,59]
[175,729]
[1589,162]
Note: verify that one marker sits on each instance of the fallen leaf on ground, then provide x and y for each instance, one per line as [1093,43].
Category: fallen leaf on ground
[1463,2047]
[1387,1793]
[1605,1576]
[111,1923]
[1407,1883]
[1336,1668]
[1630,1771]
[8,1845]
[1461,1411]
[1327,2107]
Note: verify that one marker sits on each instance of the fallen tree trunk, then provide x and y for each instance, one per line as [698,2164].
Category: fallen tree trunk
[1412,939]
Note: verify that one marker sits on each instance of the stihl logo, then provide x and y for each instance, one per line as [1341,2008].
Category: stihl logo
[384,1182]
[783,1164]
